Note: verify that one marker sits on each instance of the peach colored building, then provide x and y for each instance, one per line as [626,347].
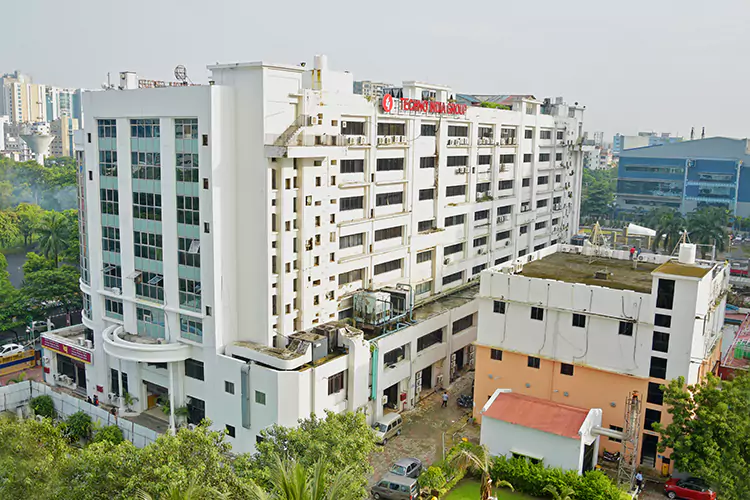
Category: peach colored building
[587,326]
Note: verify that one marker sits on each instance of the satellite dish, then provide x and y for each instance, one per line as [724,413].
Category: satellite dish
[180,73]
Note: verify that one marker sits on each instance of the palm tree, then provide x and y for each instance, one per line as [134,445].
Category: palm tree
[478,457]
[194,491]
[708,227]
[669,225]
[54,231]
[17,380]
[564,493]
[291,481]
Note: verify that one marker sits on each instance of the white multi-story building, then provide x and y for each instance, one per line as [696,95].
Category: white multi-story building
[272,244]
[370,89]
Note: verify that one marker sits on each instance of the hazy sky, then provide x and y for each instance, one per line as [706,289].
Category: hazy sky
[663,65]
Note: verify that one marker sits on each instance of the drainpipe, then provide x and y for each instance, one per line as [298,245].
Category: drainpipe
[171,398]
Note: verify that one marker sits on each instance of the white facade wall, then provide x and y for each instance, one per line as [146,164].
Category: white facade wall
[271,224]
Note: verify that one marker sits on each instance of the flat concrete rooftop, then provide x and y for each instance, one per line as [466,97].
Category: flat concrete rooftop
[575,268]
[444,303]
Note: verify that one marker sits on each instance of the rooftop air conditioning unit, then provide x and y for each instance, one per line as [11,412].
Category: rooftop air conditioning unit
[88,344]
[389,139]
[313,120]
[447,261]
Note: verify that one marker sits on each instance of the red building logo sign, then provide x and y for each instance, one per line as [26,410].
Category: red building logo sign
[439,108]
[67,350]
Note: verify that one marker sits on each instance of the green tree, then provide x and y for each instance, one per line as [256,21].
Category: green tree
[598,192]
[290,480]
[470,456]
[344,440]
[708,226]
[13,306]
[78,426]
[110,433]
[709,432]
[9,232]
[43,406]
[35,262]
[194,491]
[29,217]
[668,225]
[46,289]
[54,234]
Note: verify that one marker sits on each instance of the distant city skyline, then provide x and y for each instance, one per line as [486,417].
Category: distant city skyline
[657,65]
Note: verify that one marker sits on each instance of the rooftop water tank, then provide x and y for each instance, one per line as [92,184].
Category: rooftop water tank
[687,253]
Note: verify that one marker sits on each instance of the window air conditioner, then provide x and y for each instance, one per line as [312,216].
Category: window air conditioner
[381,140]
[447,261]
[343,124]
[389,139]
[116,291]
[481,251]
[507,243]
[351,141]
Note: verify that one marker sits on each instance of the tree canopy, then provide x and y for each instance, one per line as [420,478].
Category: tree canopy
[598,192]
[709,432]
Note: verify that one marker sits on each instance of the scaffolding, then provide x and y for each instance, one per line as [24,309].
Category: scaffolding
[631,433]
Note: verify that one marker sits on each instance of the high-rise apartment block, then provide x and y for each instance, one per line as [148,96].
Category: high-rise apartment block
[273,244]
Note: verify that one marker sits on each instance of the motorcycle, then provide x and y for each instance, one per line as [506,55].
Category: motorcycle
[611,457]
[465,401]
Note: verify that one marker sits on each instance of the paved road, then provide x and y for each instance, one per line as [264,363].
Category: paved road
[15,261]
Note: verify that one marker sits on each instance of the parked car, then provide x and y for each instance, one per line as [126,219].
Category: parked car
[409,467]
[387,427]
[395,487]
[689,489]
[9,349]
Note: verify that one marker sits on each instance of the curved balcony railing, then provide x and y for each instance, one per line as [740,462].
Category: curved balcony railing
[123,345]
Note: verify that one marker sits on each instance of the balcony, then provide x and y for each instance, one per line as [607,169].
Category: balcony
[123,345]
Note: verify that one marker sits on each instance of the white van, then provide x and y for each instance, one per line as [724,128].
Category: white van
[388,426]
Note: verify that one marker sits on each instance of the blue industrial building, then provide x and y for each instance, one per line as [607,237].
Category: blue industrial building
[685,176]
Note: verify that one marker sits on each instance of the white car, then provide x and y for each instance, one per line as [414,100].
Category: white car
[9,349]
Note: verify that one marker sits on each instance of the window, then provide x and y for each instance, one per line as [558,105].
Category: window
[478,269]
[527,157]
[228,387]
[507,209]
[108,163]
[110,239]
[113,308]
[194,369]
[428,130]
[658,367]
[526,182]
[150,286]
[196,409]
[351,276]
[665,294]
[566,369]
[507,159]
[188,252]
[660,342]
[391,129]
[107,128]
[481,215]
[480,242]
[663,320]
[351,203]
[540,225]
[542,180]
[496,354]
[430,339]
[423,288]
[112,276]
[626,328]
[451,249]
[389,233]
[110,201]
[539,247]
[618,429]
[188,210]
[521,253]
[482,188]
[558,156]
[524,229]
[427,194]
[579,320]
[533,362]
[352,166]
[499,306]
[455,220]
[386,267]
[336,383]
[186,165]
[528,133]
[543,156]
[559,135]
[145,128]
[230,430]
[485,132]
[501,260]
[545,134]
[427,162]
[458,161]
[353,240]
[352,128]
[186,128]
[147,206]
[655,394]
[503,235]
[190,294]
[455,191]
[451,278]
[505,185]
[425,225]
[484,160]
[147,245]
[388,164]
[425,256]
[558,178]
[458,131]
[384,199]
[652,417]
[191,328]
[463,323]
[537,313]
[145,165]
[260,397]
[542,203]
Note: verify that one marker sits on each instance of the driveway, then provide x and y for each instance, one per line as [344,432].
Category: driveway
[424,429]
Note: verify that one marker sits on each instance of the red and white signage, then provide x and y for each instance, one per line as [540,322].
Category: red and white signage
[67,350]
[439,108]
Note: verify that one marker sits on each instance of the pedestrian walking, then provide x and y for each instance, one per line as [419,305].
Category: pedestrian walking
[445,399]
[632,252]
[639,482]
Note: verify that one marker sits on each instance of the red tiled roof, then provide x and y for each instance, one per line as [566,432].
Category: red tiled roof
[539,414]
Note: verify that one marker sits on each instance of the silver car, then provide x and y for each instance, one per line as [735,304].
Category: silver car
[409,467]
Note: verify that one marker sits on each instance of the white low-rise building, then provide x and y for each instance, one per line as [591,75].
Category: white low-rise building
[228,228]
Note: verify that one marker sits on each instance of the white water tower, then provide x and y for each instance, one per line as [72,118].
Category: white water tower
[37,136]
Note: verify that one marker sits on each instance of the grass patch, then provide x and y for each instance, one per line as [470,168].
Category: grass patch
[468,489]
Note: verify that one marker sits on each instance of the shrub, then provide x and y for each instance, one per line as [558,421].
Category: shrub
[78,426]
[43,405]
[111,433]
[432,478]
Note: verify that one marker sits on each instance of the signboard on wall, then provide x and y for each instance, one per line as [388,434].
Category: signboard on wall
[404,104]
[67,350]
